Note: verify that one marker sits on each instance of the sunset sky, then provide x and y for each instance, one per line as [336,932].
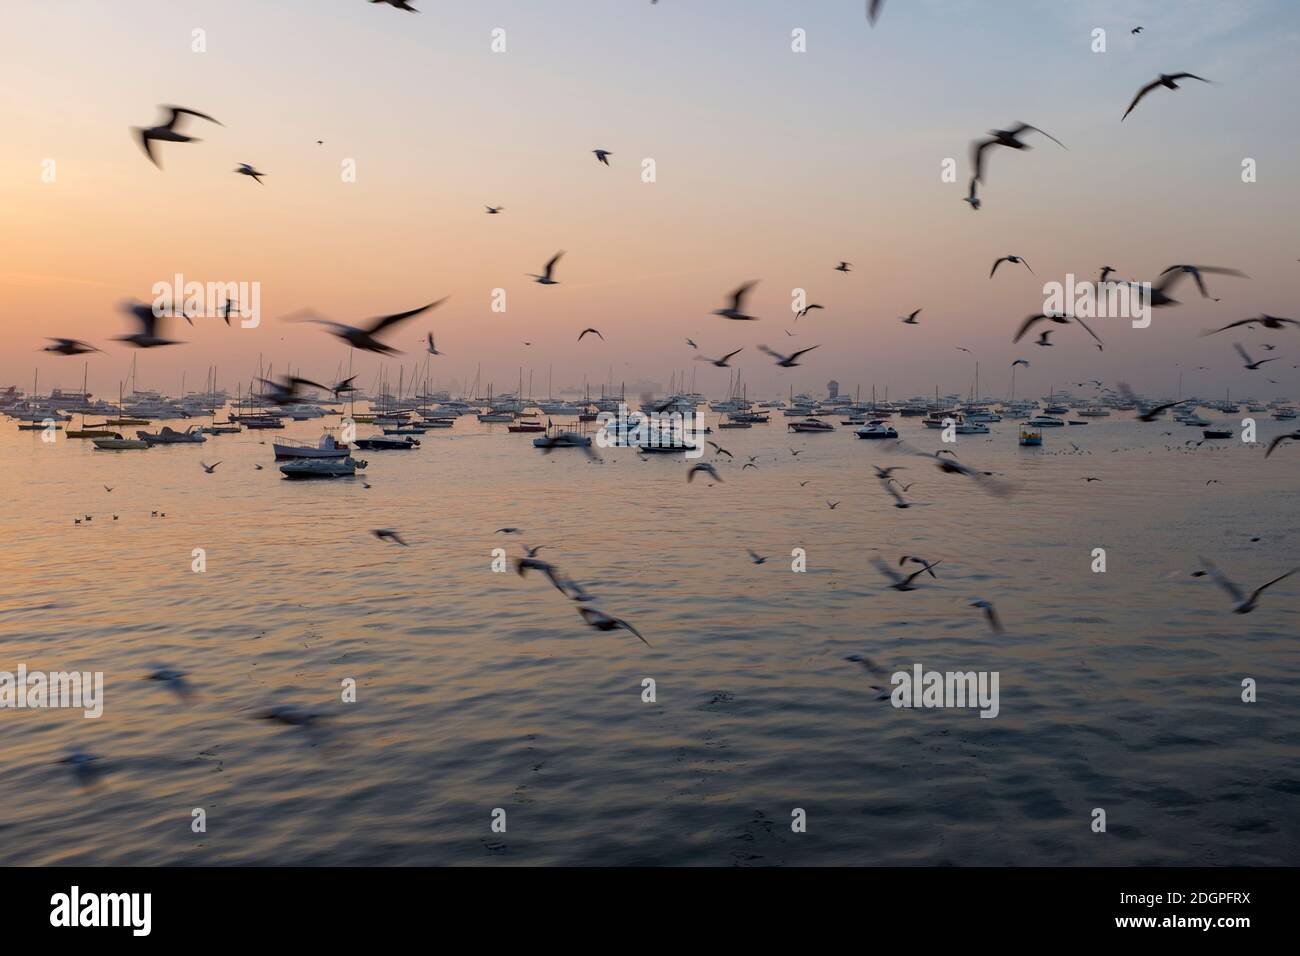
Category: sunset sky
[771,165]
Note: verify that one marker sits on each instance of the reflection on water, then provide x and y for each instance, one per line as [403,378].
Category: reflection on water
[478,690]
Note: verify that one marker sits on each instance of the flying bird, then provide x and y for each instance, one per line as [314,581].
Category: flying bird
[1167,80]
[705,467]
[399,4]
[1268,321]
[910,319]
[806,309]
[756,557]
[903,582]
[209,469]
[1244,604]
[69,346]
[786,361]
[719,362]
[1009,138]
[990,614]
[735,311]
[1014,260]
[1020,362]
[166,132]
[494,210]
[431,348]
[289,391]
[246,170]
[602,155]
[364,338]
[594,332]
[1053,317]
[1159,289]
[545,278]
[844,267]
[604,622]
[1251,363]
[388,534]
[148,337]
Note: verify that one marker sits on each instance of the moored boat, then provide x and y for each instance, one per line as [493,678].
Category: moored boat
[321,468]
[877,429]
[326,448]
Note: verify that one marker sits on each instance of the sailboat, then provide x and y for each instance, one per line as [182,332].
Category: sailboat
[94,431]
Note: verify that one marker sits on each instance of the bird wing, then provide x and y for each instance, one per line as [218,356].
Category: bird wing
[146,144]
[1088,330]
[1221,580]
[887,571]
[179,111]
[916,574]
[1141,93]
[730,354]
[802,352]
[1232,325]
[738,297]
[767,351]
[1026,126]
[1277,441]
[551,265]
[996,263]
[1243,353]
[977,160]
[384,322]
[1188,76]
[1260,590]
[1027,325]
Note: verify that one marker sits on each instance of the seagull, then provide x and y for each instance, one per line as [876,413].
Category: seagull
[806,309]
[1023,362]
[734,311]
[431,348]
[166,132]
[545,277]
[364,338]
[246,170]
[343,386]
[720,450]
[719,362]
[604,622]
[1003,137]
[786,361]
[1058,319]
[147,337]
[594,332]
[494,210]
[832,505]
[388,534]
[1251,363]
[210,469]
[1088,478]
[691,343]
[602,155]
[175,681]
[69,346]
[399,4]
[1042,339]
[508,530]
[910,319]
[1014,260]
[1150,414]
[225,309]
[108,489]
[756,557]
[990,614]
[1293,436]
[1135,31]
[1159,294]
[1268,321]
[287,392]
[705,467]
[1105,271]
[915,560]
[1244,604]
[901,582]
[1167,80]
[844,267]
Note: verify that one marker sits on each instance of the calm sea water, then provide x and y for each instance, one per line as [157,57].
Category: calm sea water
[479,690]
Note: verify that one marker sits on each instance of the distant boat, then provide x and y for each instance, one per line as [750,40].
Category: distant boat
[386,443]
[1045,421]
[321,468]
[526,425]
[1216,432]
[877,429]
[810,425]
[326,448]
[169,436]
[119,443]
[1030,438]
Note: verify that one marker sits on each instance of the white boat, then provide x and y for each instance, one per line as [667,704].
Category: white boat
[877,429]
[1286,412]
[119,443]
[321,468]
[499,417]
[327,447]
[810,425]
[971,428]
[1045,421]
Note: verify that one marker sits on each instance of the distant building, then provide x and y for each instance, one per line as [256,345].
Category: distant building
[833,387]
